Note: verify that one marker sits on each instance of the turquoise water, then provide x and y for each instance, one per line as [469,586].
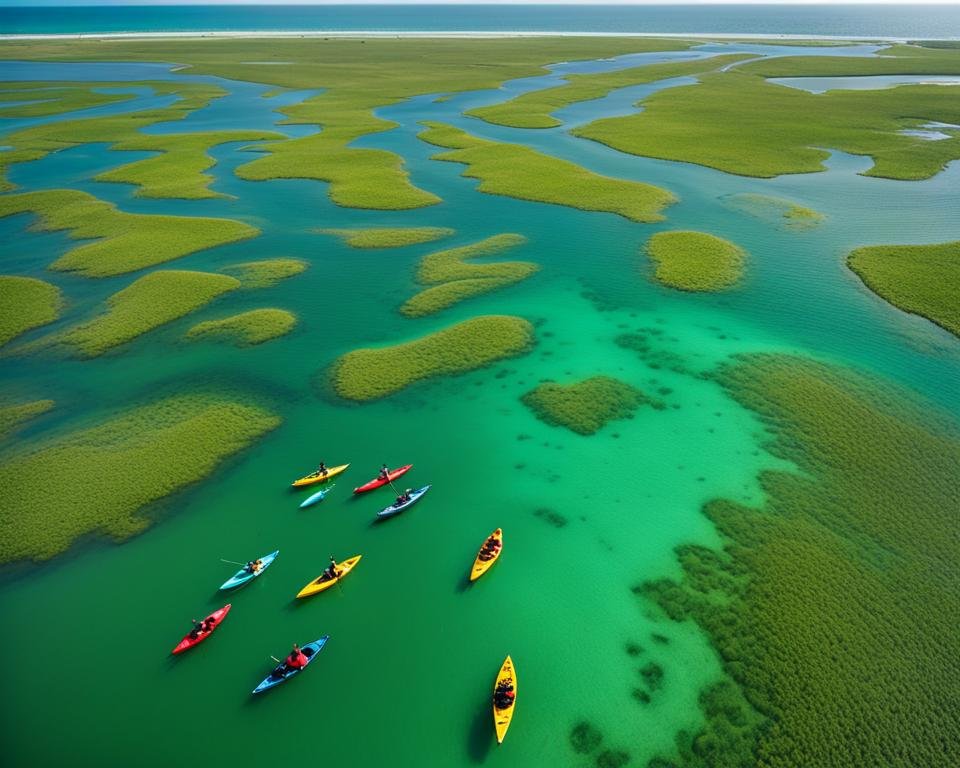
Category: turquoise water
[898,21]
[405,679]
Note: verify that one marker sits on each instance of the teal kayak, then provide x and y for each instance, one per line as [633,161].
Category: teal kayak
[242,576]
[318,496]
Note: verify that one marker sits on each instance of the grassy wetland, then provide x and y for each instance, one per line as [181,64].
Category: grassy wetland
[401,250]
[695,261]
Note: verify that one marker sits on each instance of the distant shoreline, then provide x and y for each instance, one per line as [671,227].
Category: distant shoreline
[356,34]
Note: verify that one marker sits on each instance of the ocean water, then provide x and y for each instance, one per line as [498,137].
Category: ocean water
[909,20]
[406,677]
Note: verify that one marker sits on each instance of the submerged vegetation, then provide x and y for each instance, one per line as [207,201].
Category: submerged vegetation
[179,170]
[695,261]
[922,279]
[777,210]
[12,416]
[247,328]
[147,303]
[266,273]
[517,171]
[737,122]
[97,479]
[26,303]
[585,406]
[388,237]
[832,607]
[368,374]
[534,109]
[452,279]
[124,242]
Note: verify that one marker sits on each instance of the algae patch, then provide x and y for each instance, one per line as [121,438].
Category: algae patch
[776,210]
[26,303]
[247,328]
[153,300]
[388,237]
[97,480]
[368,374]
[586,406]
[266,273]
[921,279]
[695,261]
[13,416]
[517,171]
[453,280]
[125,242]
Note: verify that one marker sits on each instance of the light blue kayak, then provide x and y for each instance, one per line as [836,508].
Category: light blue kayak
[282,673]
[318,496]
[396,509]
[242,576]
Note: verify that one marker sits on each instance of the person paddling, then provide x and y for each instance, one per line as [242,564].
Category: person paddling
[384,473]
[296,659]
[321,470]
[332,571]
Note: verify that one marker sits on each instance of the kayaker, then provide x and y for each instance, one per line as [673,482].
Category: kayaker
[199,627]
[296,659]
[321,469]
[332,571]
[384,473]
[403,498]
[253,566]
[504,696]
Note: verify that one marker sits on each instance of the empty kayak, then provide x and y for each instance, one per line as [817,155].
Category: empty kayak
[323,581]
[505,685]
[318,477]
[195,638]
[396,509]
[392,475]
[487,555]
[283,673]
[243,575]
[318,496]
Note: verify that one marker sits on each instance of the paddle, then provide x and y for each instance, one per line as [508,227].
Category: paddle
[233,562]
[275,659]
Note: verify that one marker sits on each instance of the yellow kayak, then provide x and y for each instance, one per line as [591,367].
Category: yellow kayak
[486,558]
[322,582]
[317,477]
[502,717]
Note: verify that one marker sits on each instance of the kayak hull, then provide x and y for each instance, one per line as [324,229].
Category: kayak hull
[395,509]
[503,717]
[393,474]
[317,585]
[216,618]
[480,566]
[313,478]
[310,650]
[318,496]
[241,577]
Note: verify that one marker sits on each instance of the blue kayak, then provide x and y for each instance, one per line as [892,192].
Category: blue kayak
[282,673]
[242,576]
[318,496]
[396,509]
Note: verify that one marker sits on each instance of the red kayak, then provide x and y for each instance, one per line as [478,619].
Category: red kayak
[213,620]
[392,475]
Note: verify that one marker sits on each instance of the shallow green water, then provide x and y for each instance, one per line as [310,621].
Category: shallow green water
[406,676]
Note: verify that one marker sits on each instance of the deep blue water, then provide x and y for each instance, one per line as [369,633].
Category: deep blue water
[897,21]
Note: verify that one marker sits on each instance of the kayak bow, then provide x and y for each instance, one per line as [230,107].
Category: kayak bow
[281,673]
[392,475]
[242,576]
[215,618]
[316,477]
[481,565]
[322,583]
